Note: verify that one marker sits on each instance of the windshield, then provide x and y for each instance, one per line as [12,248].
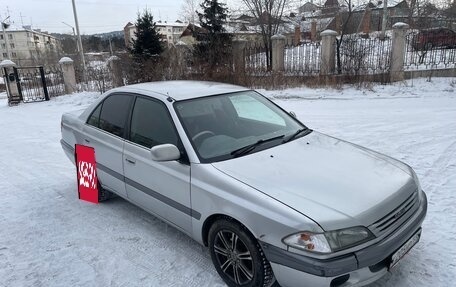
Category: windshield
[225,126]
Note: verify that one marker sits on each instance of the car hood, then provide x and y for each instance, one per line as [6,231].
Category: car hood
[333,182]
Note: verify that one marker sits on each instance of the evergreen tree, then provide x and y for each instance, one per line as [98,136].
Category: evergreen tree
[148,42]
[214,42]
[213,16]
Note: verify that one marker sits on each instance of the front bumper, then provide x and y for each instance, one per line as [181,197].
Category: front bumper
[364,266]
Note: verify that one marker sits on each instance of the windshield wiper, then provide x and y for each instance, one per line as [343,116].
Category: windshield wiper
[248,148]
[298,132]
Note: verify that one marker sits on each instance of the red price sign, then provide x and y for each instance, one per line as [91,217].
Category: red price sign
[86,173]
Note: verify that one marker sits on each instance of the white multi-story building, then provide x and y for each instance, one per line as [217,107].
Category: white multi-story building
[170,32]
[27,47]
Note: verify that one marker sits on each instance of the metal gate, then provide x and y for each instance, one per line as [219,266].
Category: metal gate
[34,84]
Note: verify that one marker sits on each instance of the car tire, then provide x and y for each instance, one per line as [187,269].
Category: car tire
[237,256]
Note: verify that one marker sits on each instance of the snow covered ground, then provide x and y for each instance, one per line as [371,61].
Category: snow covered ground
[50,238]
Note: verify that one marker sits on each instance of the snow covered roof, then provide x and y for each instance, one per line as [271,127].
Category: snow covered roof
[172,24]
[27,28]
[379,5]
[322,23]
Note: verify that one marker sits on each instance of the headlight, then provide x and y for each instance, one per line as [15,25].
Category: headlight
[345,238]
[314,242]
[418,185]
[417,181]
[330,241]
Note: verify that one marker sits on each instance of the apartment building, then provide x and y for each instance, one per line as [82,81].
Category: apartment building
[28,47]
[170,32]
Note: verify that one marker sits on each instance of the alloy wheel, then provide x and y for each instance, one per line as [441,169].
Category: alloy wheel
[234,258]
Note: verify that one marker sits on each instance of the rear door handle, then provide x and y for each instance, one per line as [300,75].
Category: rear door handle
[132,161]
[86,140]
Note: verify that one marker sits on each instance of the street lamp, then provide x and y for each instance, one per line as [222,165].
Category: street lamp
[81,50]
[74,34]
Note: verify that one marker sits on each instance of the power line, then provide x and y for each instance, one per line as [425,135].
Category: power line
[108,3]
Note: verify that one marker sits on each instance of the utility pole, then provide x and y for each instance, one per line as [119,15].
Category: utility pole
[110,46]
[81,51]
[384,20]
[22,19]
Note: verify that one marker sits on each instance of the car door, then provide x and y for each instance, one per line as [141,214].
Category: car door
[162,188]
[105,131]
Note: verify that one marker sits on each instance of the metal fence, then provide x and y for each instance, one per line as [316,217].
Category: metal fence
[96,79]
[255,58]
[30,84]
[39,83]
[364,56]
[426,53]
[302,59]
[54,80]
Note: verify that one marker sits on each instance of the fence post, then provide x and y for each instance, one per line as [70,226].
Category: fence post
[328,52]
[43,81]
[69,77]
[398,47]
[183,52]
[278,53]
[239,55]
[116,71]
[11,82]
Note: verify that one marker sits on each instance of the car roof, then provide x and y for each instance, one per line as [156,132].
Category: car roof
[181,90]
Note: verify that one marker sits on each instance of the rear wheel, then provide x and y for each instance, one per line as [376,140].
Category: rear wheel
[103,194]
[237,256]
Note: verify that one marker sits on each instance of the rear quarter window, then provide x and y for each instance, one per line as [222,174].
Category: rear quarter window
[94,119]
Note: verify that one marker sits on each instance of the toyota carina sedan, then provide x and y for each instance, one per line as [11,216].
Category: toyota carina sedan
[274,201]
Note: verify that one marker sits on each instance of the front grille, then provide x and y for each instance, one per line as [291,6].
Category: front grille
[397,217]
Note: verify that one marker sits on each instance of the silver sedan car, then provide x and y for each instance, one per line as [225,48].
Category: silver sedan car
[274,201]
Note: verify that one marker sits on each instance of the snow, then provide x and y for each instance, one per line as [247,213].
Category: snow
[7,64]
[66,60]
[50,238]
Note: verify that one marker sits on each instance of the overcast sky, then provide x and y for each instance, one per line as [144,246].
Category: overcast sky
[94,15]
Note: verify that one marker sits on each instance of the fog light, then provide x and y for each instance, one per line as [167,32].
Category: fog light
[339,280]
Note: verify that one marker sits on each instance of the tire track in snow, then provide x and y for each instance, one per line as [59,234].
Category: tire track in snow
[178,252]
[445,164]
[152,243]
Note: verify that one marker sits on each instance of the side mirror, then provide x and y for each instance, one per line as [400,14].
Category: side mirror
[165,152]
[292,114]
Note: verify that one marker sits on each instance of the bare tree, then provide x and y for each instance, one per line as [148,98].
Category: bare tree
[450,9]
[343,32]
[188,11]
[268,16]
[422,13]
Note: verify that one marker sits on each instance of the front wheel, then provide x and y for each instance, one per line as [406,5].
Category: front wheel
[237,256]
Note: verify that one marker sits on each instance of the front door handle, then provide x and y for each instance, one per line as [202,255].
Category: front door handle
[132,161]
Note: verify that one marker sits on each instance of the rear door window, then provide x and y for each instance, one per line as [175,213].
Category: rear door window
[111,115]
